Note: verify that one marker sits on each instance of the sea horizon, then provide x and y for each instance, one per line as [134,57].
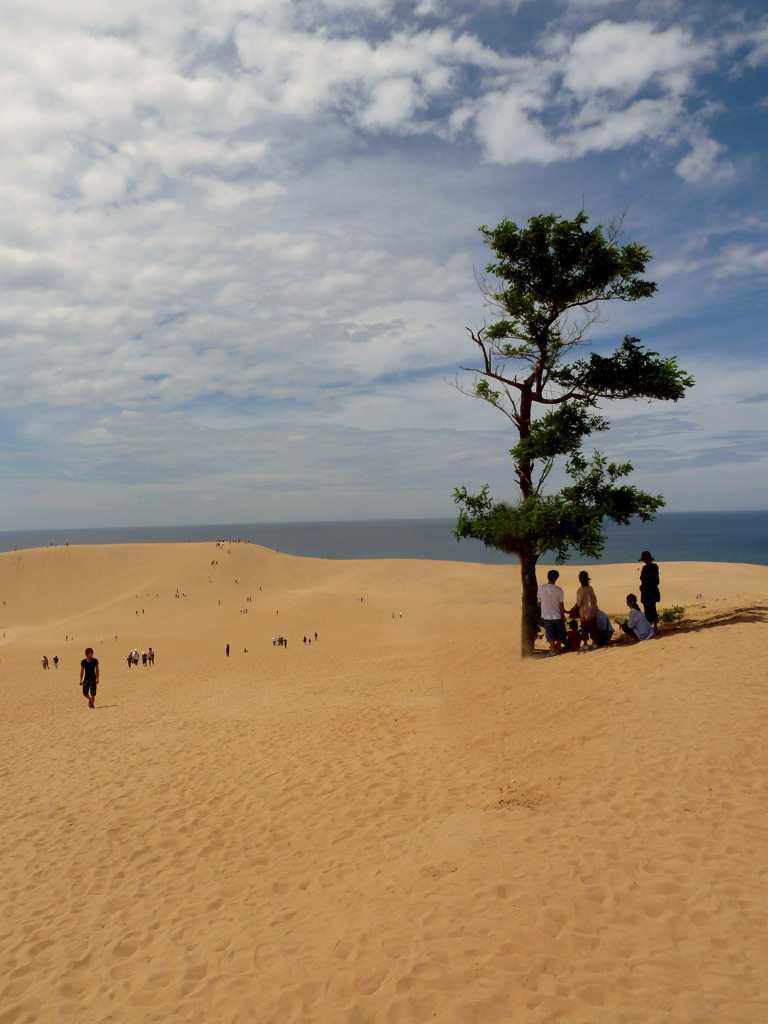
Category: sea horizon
[740,537]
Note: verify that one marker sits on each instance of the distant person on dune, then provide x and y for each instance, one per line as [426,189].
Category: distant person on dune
[89,676]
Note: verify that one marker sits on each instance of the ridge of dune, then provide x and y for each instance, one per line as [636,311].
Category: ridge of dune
[399,821]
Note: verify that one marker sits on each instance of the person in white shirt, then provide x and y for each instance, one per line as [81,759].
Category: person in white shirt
[553,612]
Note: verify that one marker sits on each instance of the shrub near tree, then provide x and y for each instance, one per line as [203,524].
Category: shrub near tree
[548,285]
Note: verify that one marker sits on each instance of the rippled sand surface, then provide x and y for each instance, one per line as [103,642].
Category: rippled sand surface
[397,822]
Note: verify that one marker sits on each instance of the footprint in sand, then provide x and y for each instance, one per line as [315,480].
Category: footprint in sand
[126,947]
[342,949]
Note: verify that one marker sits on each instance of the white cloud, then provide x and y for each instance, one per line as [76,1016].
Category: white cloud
[393,102]
[705,163]
[624,58]
[506,123]
[383,83]
[612,129]
[756,42]
[741,259]
[611,86]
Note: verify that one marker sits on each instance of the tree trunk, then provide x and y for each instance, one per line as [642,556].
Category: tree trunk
[529,620]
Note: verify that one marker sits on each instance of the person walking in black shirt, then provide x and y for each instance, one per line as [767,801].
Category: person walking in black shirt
[89,676]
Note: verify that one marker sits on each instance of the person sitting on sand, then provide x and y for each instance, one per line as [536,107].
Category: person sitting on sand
[637,625]
[89,676]
[573,640]
[587,604]
[604,629]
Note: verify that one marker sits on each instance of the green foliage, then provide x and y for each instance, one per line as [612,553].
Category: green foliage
[571,520]
[673,614]
[554,265]
[559,431]
[483,390]
[630,372]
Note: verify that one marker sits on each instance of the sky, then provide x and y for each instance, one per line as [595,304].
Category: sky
[239,248]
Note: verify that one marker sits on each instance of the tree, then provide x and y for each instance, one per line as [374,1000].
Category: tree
[550,281]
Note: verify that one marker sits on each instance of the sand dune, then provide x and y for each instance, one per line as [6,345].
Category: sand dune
[399,822]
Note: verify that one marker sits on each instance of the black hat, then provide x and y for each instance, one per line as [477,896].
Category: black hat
[648,555]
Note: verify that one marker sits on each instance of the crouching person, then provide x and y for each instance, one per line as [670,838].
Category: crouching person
[604,629]
[636,626]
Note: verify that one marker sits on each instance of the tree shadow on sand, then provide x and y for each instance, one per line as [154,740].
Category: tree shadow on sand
[755,614]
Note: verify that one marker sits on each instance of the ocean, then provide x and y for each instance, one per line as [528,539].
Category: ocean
[672,537]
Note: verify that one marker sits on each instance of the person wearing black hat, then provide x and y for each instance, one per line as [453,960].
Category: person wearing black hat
[649,587]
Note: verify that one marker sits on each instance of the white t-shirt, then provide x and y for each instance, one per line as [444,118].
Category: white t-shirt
[551,597]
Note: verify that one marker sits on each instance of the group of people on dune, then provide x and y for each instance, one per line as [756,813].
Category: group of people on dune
[586,627]
[147,657]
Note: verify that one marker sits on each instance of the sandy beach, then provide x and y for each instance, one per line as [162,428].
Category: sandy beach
[398,822]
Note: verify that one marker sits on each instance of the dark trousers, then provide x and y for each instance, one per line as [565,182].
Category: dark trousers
[649,608]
